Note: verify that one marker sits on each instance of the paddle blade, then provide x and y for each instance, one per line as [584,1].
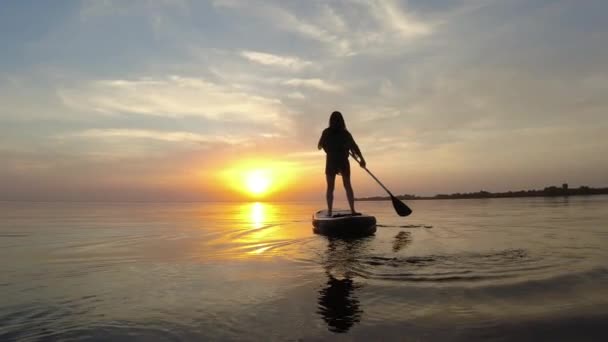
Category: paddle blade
[401,208]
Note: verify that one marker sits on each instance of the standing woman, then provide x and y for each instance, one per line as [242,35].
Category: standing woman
[337,142]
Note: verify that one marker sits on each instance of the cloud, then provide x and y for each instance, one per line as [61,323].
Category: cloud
[393,18]
[345,27]
[174,96]
[315,83]
[296,96]
[101,8]
[175,136]
[286,62]
[291,22]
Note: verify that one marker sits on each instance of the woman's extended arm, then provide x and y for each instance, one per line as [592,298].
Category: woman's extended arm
[357,152]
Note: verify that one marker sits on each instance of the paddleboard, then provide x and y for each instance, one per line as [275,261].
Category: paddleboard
[343,223]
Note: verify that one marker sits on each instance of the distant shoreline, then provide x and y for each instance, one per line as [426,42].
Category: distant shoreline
[552,191]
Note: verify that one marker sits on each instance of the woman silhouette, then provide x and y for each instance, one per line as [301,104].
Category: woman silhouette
[337,142]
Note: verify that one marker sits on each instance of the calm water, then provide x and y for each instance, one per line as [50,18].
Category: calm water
[499,269]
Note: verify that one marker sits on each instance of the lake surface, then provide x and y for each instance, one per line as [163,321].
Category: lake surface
[488,269]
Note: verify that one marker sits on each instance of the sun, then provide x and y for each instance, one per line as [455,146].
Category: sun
[257,182]
[256,179]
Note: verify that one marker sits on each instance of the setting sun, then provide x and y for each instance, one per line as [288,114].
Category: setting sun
[257,179]
[258,182]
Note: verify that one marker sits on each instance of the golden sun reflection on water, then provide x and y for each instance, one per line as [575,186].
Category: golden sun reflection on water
[263,232]
[263,229]
[257,214]
[259,230]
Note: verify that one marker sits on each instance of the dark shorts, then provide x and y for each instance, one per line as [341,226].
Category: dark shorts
[337,167]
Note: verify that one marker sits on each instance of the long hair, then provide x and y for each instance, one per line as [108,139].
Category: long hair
[336,121]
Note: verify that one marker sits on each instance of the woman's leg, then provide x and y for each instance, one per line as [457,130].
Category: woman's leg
[349,192]
[331,181]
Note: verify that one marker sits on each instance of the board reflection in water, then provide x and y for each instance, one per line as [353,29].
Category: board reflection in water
[338,304]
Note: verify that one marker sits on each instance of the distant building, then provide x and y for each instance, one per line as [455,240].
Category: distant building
[565,186]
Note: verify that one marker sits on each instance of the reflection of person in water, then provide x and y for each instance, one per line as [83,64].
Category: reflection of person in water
[338,305]
[402,239]
[337,142]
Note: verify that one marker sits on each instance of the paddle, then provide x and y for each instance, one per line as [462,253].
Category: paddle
[401,208]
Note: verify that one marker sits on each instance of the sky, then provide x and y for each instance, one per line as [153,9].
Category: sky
[181,100]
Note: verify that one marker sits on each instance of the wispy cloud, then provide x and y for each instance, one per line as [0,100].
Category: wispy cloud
[346,28]
[394,18]
[101,8]
[296,95]
[173,96]
[315,83]
[171,136]
[286,62]
[288,21]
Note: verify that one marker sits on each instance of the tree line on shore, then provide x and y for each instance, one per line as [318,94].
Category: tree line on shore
[551,191]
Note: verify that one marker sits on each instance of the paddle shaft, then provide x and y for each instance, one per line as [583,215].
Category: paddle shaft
[401,208]
[379,182]
[371,174]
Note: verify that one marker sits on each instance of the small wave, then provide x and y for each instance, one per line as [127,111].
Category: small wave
[9,235]
[107,331]
[405,226]
[396,262]
[248,231]
[499,257]
[440,278]
[464,267]
[290,249]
